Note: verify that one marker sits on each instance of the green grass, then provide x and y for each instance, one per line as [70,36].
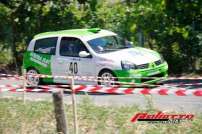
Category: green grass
[38,118]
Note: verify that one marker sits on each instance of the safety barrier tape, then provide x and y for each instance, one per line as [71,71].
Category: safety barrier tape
[98,79]
[11,78]
[184,84]
[144,91]
[11,86]
[132,84]
[40,86]
[83,78]
[29,89]
[8,75]
[95,77]
[107,90]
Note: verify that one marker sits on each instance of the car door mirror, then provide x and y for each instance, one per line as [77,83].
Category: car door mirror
[83,54]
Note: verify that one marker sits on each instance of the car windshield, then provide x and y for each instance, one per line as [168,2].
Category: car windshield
[109,44]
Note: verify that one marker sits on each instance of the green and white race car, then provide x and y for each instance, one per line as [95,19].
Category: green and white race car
[91,52]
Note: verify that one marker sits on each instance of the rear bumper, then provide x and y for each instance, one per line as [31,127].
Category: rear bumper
[157,71]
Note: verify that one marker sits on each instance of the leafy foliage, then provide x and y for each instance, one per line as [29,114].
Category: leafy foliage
[172,27]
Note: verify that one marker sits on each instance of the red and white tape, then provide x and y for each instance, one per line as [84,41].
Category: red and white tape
[8,75]
[10,86]
[29,90]
[95,77]
[183,84]
[144,91]
[41,86]
[11,78]
[107,90]
[44,88]
[90,78]
[84,78]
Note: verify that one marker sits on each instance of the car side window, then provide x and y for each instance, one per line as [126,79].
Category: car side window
[71,47]
[46,45]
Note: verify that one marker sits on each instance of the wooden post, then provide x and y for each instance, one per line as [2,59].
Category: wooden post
[24,84]
[74,105]
[60,112]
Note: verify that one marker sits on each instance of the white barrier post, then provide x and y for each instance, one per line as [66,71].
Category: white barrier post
[74,105]
[24,84]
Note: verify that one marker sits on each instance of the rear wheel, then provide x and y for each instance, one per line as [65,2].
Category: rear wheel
[107,78]
[32,78]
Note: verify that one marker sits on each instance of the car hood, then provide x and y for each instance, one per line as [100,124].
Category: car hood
[135,55]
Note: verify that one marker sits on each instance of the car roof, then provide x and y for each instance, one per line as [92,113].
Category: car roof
[86,34]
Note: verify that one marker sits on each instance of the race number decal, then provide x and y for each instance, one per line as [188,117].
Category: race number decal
[73,68]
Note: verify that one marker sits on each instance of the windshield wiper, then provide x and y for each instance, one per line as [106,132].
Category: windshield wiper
[123,47]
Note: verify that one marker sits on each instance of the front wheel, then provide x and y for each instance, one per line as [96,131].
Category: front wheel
[32,78]
[107,78]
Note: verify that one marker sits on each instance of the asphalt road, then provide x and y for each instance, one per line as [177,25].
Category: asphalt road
[188,104]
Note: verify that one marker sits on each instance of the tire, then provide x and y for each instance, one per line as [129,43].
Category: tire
[33,81]
[107,78]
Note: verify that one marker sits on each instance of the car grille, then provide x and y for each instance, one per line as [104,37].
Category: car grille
[158,62]
[143,66]
[148,79]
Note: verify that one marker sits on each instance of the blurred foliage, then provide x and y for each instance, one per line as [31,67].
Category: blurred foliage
[172,27]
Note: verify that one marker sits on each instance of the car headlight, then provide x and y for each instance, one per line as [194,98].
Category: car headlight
[126,65]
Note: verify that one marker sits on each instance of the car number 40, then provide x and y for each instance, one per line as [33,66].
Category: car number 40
[73,68]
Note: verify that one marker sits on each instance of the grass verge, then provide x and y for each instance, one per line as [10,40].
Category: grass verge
[38,118]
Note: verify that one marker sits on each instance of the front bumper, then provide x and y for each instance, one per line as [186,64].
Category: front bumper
[153,71]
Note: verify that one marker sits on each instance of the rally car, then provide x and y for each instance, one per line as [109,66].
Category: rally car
[91,52]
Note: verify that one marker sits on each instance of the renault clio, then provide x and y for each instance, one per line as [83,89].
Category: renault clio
[91,52]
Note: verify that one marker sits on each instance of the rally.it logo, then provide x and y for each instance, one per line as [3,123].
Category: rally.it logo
[161,117]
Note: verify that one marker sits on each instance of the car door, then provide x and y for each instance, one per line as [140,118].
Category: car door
[67,61]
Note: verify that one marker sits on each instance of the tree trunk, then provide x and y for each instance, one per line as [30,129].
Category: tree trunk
[13,46]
